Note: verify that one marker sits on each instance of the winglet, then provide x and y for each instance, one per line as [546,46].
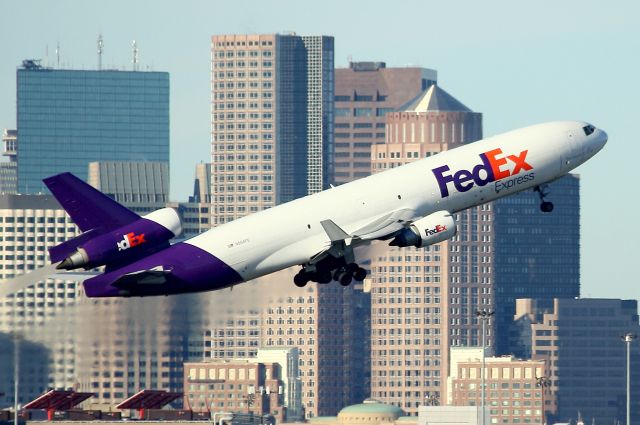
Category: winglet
[334,232]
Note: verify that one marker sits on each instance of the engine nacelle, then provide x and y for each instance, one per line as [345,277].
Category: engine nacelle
[426,231]
[142,237]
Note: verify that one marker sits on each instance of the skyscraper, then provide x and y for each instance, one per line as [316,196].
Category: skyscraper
[67,118]
[535,255]
[422,300]
[272,142]
[272,117]
[426,300]
[365,92]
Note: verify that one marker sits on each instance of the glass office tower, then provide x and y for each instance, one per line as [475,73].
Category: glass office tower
[68,118]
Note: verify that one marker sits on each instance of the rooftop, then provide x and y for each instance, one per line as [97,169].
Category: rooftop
[434,99]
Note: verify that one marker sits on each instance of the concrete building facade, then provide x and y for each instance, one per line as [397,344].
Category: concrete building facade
[9,168]
[142,185]
[39,315]
[272,120]
[365,92]
[238,386]
[423,300]
[512,393]
[580,340]
[322,321]
[272,142]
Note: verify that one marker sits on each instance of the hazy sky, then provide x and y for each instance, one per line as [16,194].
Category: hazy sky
[517,62]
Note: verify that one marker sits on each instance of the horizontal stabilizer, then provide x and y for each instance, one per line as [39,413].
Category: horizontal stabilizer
[87,206]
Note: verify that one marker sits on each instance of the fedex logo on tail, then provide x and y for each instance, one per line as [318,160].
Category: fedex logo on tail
[130,240]
[494,166]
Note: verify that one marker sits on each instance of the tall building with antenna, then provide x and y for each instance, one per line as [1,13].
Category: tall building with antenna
[67,118]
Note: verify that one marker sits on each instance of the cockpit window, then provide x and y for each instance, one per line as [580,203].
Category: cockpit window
[588,129]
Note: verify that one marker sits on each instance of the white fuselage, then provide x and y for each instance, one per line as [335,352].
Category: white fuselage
[291,233]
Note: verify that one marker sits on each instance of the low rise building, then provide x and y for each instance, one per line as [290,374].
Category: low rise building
[234,386]
[512,393]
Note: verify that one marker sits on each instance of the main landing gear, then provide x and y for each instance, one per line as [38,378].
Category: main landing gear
[343,274]
[543,191]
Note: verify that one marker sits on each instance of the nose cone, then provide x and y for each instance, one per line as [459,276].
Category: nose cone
[600,140]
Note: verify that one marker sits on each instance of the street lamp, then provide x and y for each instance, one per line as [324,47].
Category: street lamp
[543,383]
[484,315]
[627,338]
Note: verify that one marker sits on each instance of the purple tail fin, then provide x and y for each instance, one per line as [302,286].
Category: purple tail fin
[88,207]
[94,212]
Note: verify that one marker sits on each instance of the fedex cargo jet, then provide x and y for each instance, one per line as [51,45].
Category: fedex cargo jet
[412,205]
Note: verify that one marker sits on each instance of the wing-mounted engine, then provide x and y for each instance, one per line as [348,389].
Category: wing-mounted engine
[123,245]
[426,231]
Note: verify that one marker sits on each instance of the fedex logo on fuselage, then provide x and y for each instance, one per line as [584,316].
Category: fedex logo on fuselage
[130,240]
[494,166]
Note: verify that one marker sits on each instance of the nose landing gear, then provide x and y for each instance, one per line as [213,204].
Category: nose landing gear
[543,191]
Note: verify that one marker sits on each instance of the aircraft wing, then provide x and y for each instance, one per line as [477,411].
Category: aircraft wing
[385,226]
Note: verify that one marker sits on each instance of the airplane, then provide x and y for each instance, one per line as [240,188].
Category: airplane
[410,205]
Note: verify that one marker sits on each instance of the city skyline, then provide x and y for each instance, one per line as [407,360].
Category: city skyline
[498,58]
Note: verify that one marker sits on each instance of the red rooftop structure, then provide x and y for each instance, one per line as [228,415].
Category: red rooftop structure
[57,401]
[149,399]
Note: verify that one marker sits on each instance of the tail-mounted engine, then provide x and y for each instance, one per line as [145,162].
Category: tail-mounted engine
[426,231]
[141,237]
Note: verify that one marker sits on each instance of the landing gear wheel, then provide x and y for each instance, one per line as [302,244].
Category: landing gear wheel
[546,207]
[345,278]
[324,277]
[359,274]
[301,279]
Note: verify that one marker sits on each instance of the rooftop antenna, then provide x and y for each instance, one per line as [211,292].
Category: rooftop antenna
[134,46]
[58,54]
[100,50]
